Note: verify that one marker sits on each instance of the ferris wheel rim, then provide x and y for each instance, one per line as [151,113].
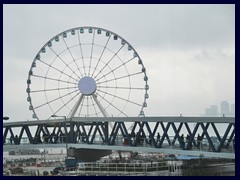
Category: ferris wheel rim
[98,85]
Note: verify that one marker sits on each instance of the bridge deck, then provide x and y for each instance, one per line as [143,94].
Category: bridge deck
[127,134]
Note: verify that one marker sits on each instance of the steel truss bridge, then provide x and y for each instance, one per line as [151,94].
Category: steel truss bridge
[128,134]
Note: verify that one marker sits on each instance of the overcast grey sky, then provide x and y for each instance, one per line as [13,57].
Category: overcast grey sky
[188,50]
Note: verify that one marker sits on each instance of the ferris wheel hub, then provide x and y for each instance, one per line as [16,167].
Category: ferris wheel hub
[87,85]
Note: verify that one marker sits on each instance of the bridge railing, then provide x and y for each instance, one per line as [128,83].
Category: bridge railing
[170,143]
[122,167]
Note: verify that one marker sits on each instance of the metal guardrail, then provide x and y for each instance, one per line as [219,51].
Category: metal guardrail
[203,145]
[134,168]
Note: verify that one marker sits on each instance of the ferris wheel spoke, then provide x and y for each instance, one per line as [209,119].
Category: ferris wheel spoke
[53,79]
[80,46]
[123,64]
[57,69]
[66,103]
[127,100]
[53,100]
[91,53]
[122,77]
[71,55]
[101,55]
[111,104]
[64,63]
[43,90]
[109,61]
[118,87]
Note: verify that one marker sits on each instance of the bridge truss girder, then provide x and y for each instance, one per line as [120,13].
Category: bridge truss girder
[89,132]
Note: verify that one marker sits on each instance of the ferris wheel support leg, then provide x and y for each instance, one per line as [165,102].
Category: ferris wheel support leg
[76,106]
[100,106]
[104,114]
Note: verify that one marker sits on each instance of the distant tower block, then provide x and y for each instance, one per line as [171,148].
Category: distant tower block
[224,107]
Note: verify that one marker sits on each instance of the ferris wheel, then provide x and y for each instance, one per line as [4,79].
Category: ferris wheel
[87,72]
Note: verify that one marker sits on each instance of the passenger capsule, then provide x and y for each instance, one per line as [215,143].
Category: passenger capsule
[38,57]
[115,37]
[99,31]
[43,50]
[73,32]
[145,78]
[28,90]
[146,96]
[57,39]
[64,35]
[141,113]
[34,64]
[134,54]
[81,30]
[29,81]
[49,44]
[90,30]
[146,87]
[144,104]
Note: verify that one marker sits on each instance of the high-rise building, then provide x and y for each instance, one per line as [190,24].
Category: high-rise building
[212,111]
[224,107]
[232,110]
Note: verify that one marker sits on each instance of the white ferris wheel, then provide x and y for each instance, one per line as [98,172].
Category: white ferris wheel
[87,72]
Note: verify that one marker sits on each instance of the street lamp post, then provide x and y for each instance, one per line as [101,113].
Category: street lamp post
[65,118]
